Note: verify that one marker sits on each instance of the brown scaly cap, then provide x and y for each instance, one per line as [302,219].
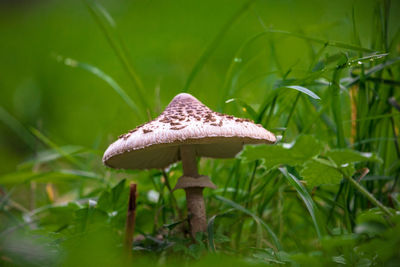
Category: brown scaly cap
[185,121]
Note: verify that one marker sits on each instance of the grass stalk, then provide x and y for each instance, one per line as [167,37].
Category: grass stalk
[292,109]
[369,196]
[337,107]
[118,49]
[214,44]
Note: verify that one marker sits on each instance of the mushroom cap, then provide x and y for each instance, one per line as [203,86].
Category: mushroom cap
[185,121]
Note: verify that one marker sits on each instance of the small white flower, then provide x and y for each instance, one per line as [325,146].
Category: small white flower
[153,196]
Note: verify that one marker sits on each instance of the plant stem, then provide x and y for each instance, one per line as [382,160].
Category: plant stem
[369,196]
[130,217]
[253,174]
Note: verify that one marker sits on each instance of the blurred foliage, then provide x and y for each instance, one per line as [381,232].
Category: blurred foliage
[322,75]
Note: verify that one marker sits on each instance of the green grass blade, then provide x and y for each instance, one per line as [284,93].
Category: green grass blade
[105,22]
[317,40]
[210,229]
[300,90]
[305,196]
[322,41]
[83,174]
[384,81]
[303,90]
[237,58]
[374,70]
[50,155]
[108,79]
[390,115]
[292,109]
[214,44]
[21,177]
[394,39]
[245,107]
[18,128]
[254,216]
[52,145]
[368,195]
[337,107]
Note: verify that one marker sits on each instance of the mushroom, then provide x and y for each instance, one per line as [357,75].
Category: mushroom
[186,129]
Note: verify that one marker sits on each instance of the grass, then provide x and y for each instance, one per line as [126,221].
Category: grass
[326,193]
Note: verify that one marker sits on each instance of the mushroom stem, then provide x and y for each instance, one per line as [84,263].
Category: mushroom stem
[196,210]
[189,163]
[194,195]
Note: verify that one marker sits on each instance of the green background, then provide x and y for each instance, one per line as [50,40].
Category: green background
[164,39]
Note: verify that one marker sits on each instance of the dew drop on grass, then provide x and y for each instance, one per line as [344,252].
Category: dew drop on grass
[237,59]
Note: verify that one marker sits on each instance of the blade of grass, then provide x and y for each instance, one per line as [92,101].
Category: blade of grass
[252,215]
[210,229]
[335,202]
[263,108]
[105,22]
[290,115]
[232,173]
[249,196]
[55,147]
[303,90]
[269,194]
[390,115]
[99,73]
[50,155]
[384,81]
[84,174]
[369,196]
[316,40]
[237,58]
[322,41]
[245,107]
[271,111]
[373,70]
[305,196]
[174,203]
[337,108]
[300,89]
[18,128]
[214,44]
[50,176]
